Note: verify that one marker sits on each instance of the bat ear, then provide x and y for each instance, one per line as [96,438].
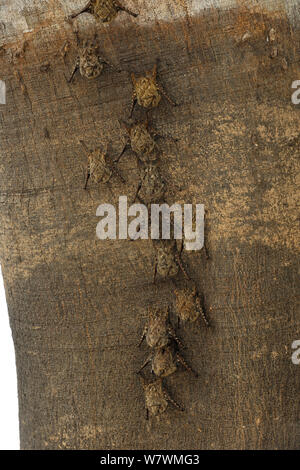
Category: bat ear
[105,148]
[133,78]
[154,71]
[194,288]
[142,378]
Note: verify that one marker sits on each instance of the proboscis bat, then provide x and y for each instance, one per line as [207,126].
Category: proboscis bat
[99,169]
[89,61]
[158,330]
[183,243]
[147,91]
[188,305]
[156,397]
[167,259]
[142,141]
[164,361]
[152,186]
[104,10]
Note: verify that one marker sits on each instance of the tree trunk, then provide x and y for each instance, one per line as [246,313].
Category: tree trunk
[77,305]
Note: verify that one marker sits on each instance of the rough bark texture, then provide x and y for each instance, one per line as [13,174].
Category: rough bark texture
[77,304]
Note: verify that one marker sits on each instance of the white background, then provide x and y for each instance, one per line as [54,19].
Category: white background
[9,426]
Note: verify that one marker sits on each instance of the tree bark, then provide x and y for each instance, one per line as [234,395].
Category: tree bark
[77,305]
